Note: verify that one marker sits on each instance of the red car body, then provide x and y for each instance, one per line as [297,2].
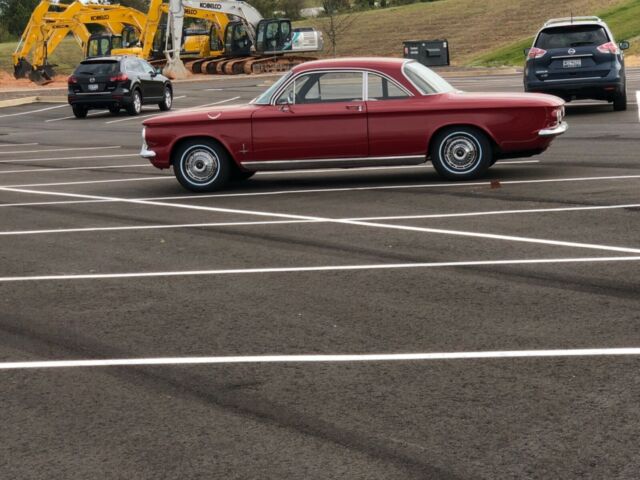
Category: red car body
[360,132]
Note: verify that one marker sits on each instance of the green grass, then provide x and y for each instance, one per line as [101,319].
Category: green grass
[623,20]
[67,56]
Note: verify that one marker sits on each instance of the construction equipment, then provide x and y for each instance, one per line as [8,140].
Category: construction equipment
[252,44]
[51,22]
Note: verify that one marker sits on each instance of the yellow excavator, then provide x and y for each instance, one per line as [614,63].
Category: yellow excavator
[51,22]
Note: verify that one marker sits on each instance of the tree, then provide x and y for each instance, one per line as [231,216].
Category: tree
[15,14]
[339,18]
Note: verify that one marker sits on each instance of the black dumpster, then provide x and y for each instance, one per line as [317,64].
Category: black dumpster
[432,53]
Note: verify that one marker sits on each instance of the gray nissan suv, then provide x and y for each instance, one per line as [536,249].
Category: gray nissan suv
[577,58]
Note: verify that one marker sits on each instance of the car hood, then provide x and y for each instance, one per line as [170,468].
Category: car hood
[202,114]
[505,99]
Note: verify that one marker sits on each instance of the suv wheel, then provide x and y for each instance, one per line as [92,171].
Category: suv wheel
[620,101]
[136,103]
[461,153]
[201,165]
[79,111]
[167,100]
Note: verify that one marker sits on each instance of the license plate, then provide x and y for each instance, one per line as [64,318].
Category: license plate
[573,63]
[93,87]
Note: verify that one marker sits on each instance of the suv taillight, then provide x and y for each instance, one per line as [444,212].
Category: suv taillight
[536,53]
[72,80]
[121,77]
[609,47]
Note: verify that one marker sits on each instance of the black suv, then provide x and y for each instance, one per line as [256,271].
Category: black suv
[117,82]
[577,58]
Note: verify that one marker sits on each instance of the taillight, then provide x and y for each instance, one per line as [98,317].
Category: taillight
[609,47]
[536,53]
[121,77]
[72,80]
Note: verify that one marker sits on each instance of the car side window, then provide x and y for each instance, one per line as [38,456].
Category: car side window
[291,94]
[329,87]
[129,66]
[146,66]
[380,88]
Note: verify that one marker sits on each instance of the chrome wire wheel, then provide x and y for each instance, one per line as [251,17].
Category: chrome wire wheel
[460,152]
[200,165]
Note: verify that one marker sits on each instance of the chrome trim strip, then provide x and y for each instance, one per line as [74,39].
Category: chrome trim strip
[146,153]
[572,56]
[555,131]
[333,162]
[571,79]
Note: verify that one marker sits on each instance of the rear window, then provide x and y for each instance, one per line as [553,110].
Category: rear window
[572,36]
[97,68]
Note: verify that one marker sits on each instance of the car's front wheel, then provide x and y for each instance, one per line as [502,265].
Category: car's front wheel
[201,165]
[136,103]
[167,100]
[79,111]
[461,153]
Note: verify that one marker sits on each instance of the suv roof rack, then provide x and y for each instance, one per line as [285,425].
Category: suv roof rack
[572,19]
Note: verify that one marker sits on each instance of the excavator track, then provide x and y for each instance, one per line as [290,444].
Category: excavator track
[273,64]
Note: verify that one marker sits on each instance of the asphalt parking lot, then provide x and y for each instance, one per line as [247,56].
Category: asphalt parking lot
[106,258]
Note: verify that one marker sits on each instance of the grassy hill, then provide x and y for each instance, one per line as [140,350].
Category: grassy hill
[474,29]
[67,55]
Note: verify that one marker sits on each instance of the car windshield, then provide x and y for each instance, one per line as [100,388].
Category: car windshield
[97,68]
[425,80]
[265,98]
[571,36]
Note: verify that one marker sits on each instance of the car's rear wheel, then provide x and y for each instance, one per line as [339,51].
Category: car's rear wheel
[461,153]
[114,109]
[167,100]
[136,103]
[79,111]
[620,101]
[201,165]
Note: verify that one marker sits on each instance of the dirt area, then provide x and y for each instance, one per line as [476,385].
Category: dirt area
[7,82]
[632,60]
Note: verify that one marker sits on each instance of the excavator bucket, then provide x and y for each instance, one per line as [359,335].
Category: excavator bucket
[22,69]
[175,70]
[41,76]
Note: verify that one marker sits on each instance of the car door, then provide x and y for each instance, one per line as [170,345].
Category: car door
[396,121]
[318,115]
[156,83]
[146,82]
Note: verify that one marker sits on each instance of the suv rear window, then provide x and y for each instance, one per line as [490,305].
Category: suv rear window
[97,68]
[572,36]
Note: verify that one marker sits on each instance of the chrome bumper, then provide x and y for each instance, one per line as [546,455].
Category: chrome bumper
[555,131]
[146,153]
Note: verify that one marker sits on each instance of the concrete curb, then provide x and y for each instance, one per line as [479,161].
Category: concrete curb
[16,102]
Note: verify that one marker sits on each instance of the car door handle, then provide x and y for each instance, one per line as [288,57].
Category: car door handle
[357,108]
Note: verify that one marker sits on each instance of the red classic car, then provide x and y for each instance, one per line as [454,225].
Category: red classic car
[353,112]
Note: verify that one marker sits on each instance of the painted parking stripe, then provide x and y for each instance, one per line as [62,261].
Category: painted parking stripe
[440,231]
[74,149]
[18,145]
[70,117]
[159,114]
[85,157]
[311,269]
[316,358]
[296,192]
[638,100]
[64,169]
[289,222]
[33,111]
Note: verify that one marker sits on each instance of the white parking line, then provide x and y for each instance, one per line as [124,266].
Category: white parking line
[92,114]
[330,268]
[316,358]
[491,236]
[304,191]
[74,149]
[90,157]
[33,111]
[289,222]
[18,145]
[638,99]
[182,110]
[64,169]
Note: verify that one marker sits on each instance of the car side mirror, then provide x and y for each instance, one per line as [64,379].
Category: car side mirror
[153,73]
[624,45]
[526,52]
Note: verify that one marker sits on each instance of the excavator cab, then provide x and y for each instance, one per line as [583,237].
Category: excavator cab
[237,40]
[101,44]
[215,39]
[273,35]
